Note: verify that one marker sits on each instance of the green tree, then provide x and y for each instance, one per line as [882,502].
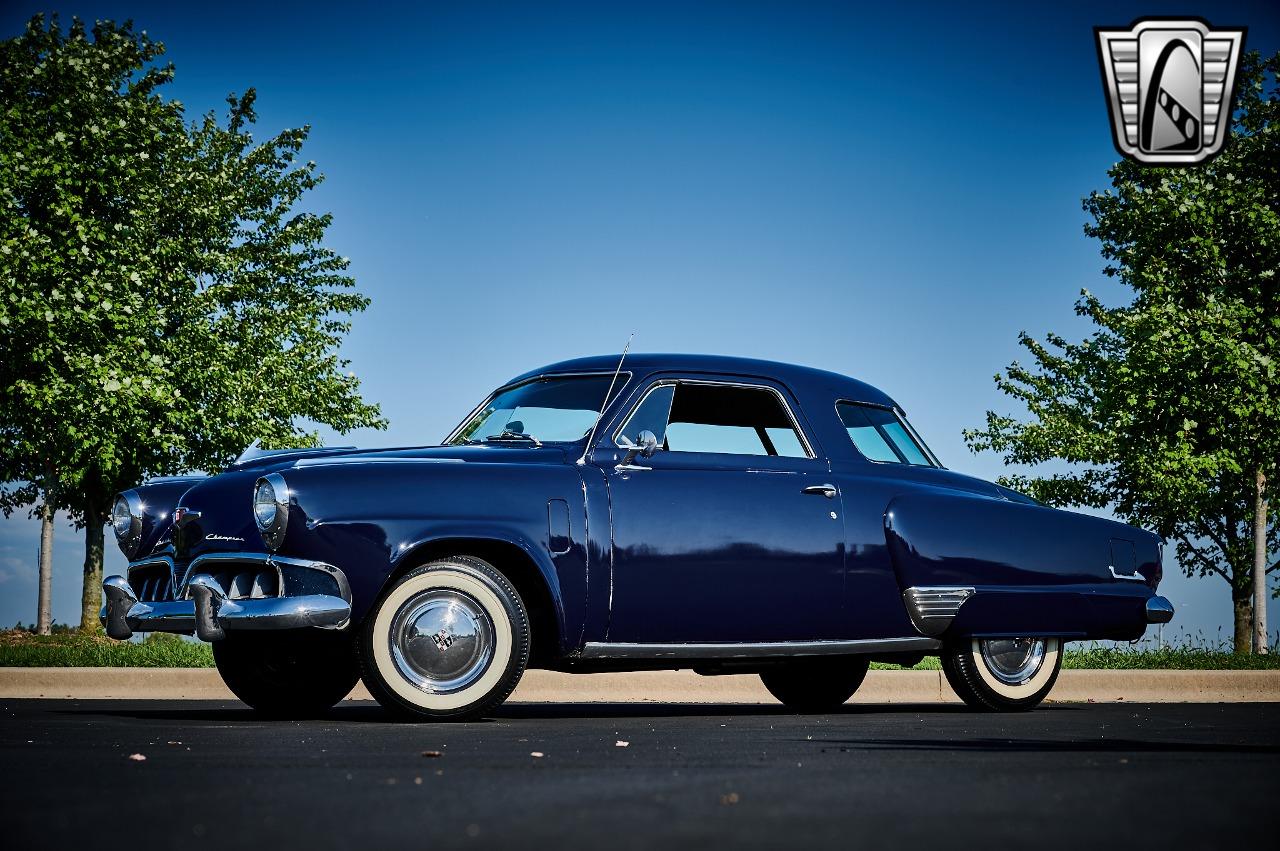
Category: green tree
[163,302]
[1169,412]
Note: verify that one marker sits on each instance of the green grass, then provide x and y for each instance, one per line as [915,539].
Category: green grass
[1094,657]
[1167,658]
[22,649]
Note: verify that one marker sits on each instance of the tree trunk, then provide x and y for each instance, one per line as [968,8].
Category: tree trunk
[91,595]
[44,604]
[1260,566]
[1242,608]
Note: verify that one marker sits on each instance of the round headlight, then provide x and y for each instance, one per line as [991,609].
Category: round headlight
[271,509]
[126,521]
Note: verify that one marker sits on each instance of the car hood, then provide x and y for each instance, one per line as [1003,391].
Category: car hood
[505,453]
[218,514]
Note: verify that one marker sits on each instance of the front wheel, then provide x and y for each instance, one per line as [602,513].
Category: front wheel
[288,674]
[1003,674]
[450,640]
[815,685]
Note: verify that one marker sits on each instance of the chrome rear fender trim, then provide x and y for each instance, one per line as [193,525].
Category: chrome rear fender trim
[933,607]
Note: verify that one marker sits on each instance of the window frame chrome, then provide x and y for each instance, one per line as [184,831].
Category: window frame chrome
[805,443]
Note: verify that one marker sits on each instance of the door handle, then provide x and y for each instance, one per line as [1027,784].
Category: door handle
[829,491]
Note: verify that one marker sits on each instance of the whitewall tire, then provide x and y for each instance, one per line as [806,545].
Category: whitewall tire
[1003,674]
[449,640]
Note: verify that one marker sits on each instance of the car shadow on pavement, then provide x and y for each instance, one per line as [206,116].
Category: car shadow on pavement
[357,712]
[707,710]
[990,745]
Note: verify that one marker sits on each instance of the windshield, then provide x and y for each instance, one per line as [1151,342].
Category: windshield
[555,410]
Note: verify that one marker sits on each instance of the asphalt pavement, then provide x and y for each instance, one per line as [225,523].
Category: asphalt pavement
[212,775]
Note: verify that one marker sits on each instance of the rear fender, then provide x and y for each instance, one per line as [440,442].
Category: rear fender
[974,566]
[952,538]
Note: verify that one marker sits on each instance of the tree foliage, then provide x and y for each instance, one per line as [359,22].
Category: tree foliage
[1169,410]
[164,301]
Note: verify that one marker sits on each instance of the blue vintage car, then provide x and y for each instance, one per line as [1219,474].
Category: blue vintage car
[667,511]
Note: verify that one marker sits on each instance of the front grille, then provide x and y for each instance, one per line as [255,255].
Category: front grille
[247,582]
[152,582]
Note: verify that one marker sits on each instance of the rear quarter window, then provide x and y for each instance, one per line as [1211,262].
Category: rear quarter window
[881,435]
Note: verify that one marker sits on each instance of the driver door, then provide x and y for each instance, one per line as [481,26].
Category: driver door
[729,532]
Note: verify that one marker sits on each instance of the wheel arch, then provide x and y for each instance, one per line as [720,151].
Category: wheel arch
[534,581]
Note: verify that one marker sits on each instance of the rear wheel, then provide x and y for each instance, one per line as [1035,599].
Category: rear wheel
[450,640]
[815,685]
[1003,674]
[288,674]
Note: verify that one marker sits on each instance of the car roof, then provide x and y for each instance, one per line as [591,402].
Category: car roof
[803,380]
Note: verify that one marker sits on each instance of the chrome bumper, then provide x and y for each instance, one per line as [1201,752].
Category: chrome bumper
[210,613]
[1159,610]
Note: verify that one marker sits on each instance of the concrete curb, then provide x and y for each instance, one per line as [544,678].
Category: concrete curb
[672,686]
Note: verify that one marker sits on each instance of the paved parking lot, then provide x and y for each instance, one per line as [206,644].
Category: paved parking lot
[1064,776]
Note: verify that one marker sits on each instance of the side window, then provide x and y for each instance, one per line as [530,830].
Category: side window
[880,436]
[651,414]
[731,420]
[717,418]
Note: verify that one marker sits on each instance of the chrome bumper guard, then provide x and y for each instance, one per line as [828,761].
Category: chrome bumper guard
[211,614]
[1159,610]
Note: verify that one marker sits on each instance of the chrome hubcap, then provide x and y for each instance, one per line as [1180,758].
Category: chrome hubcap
[442,641]
[1013,660]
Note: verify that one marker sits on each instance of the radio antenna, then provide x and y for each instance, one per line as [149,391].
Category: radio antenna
[591,436]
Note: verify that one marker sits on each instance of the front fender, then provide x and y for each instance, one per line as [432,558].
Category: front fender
[374,521]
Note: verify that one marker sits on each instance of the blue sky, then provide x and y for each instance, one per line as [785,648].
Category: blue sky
[889,192]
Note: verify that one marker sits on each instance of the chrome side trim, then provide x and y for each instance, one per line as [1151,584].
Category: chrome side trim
[1135,577]
[361,459]
[622,650]
[933,607]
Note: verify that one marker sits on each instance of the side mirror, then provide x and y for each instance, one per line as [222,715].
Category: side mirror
[648,444]
[644,449]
